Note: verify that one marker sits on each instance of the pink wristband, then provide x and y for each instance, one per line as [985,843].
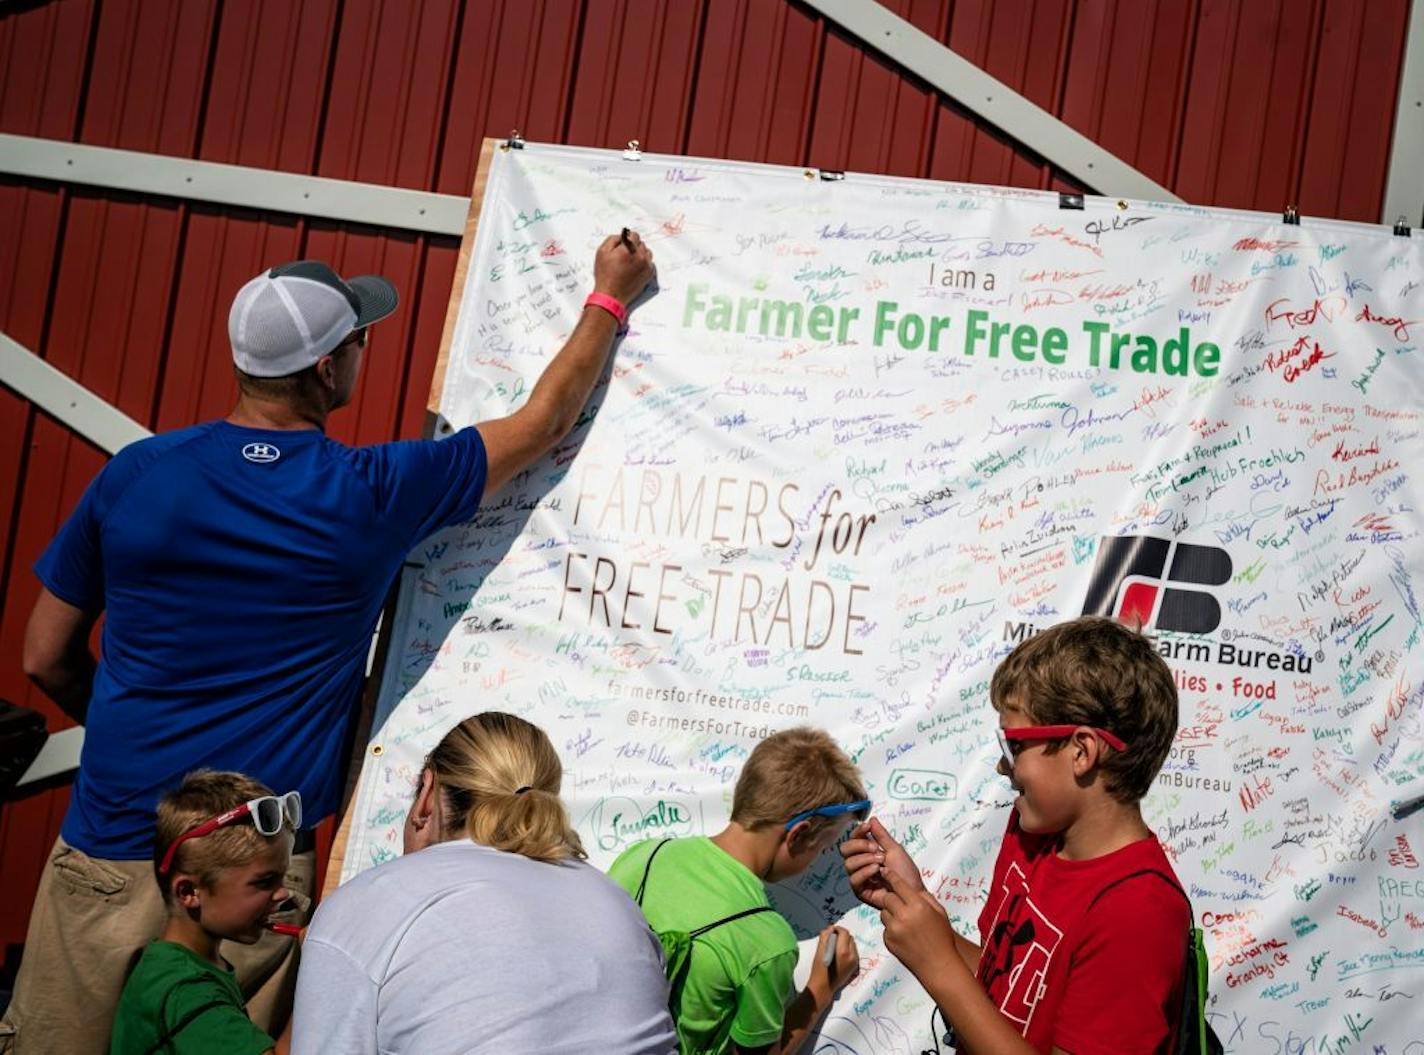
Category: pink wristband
[611,305]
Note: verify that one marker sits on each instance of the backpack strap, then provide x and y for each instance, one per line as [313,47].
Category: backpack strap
[643,886]
[1191,1033]
[1145,872]
[729,919]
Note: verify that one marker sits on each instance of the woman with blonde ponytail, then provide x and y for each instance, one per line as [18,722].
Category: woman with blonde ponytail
[500,778]
[496,936]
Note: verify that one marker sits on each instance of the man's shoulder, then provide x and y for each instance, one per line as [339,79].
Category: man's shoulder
[162,442]
[140,455]
[405,452]
[393,467]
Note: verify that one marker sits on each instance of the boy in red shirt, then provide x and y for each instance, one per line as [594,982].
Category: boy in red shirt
[1081,940]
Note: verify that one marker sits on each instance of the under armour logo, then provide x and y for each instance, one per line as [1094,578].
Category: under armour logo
[261,452]
[1128,583]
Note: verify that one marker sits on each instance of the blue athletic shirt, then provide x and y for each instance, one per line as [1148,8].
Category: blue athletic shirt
[242,572]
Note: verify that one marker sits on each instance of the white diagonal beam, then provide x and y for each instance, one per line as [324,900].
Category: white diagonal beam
[968,85]
[250,188]
[1404,190]
[65,399]
[102,424]
[60,755]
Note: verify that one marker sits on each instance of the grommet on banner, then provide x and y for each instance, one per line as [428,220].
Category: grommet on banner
[1070,201]
[1291,216]
[514,142]
[1401,227]
[634,151]
[831,177]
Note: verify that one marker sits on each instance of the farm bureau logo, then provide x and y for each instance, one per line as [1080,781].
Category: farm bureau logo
[1142,581]
[1129,583]
[261,453]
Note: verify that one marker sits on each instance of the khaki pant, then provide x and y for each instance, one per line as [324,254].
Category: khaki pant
[90,922]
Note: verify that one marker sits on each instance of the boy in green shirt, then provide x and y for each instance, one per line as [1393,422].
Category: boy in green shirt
[222,848]
[793,798]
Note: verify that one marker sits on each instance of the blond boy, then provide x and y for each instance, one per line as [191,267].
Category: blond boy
[221,850]
[792,800]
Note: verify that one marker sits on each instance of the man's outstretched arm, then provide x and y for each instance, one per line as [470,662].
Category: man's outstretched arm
[514,443]
[57,656]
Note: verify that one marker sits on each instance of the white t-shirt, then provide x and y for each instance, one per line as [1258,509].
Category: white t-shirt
[459,948]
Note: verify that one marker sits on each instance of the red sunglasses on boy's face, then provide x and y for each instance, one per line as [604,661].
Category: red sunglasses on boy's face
[1012,741]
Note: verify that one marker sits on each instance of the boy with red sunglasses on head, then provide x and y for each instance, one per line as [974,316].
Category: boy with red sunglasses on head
[1081,939]
[220,854]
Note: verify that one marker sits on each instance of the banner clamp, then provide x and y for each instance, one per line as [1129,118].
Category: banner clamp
[1401,227]
[1291,216]
[828,176]
[634,151]
[1070,201]
[514,142]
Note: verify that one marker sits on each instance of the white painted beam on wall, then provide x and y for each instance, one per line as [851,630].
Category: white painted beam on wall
[1404,190]
[65,399]
[236,185]
[968,85]
[102,424]
[59,755]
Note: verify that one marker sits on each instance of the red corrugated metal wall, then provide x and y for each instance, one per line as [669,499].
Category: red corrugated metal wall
[1244,103]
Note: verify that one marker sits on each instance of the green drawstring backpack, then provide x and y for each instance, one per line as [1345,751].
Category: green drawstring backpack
[677,944]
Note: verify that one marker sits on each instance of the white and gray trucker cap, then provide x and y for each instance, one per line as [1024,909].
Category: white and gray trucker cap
[285,319]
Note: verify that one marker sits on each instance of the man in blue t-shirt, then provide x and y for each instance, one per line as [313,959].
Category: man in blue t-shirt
[241,565]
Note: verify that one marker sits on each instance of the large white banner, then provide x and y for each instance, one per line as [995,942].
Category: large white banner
[866,436]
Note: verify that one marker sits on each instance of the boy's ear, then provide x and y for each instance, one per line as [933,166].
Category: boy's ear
[799,838]
[1087,751]
[185,891]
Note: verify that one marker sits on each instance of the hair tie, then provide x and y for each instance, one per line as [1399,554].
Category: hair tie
[521,791]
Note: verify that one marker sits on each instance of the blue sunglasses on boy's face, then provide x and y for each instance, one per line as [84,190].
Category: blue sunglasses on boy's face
[829,811]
